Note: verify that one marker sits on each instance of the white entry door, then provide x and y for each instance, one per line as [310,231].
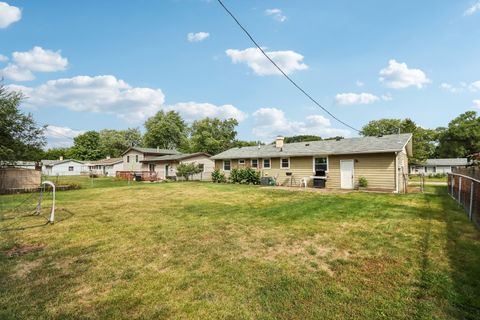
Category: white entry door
[346,174]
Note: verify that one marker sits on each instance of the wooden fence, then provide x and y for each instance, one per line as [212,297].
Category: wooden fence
[466,191]
[143,175]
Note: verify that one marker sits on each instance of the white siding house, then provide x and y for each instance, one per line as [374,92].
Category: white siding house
[106,167]
[133,157]
[441,166]
[166,166]
[67,167]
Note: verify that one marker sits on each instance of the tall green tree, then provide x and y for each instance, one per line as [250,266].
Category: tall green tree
[461,138]
[86,146]
[56,153]
[302,138]
[424,140]
[21,138]
[166,130]
[213,135]
[114,142]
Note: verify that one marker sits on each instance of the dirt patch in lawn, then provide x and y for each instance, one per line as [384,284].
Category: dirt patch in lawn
[22,249]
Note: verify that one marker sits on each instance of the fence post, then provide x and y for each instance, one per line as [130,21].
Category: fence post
[459,188]
[453,182]
[471,200]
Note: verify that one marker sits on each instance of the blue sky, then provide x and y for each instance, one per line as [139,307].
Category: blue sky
[89,65]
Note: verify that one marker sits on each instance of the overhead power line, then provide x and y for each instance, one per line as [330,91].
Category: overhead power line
[283,72]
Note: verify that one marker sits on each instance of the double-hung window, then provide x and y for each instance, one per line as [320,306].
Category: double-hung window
[226,165]
[128,159]
[254,163]
[285,163]
[241,162]
[136,158]
[266,163]
[321,164]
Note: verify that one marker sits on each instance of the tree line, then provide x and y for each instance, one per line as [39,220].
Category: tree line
[21,138]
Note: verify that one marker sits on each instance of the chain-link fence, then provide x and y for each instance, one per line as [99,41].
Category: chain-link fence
[466,191]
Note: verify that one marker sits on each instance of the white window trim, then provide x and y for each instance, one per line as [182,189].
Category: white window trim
[241,163]
[281,167]
[269,163]
[320,156]
[223,167]
[251,163]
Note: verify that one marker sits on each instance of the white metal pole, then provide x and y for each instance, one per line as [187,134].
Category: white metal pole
[459,188]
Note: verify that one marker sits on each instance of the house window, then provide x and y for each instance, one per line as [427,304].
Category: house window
[136,158]
[321,164]
[254,163]
[70,168]
[241,162]
[128,158]
[285,163]
[266,163]
[226,165]
[201,166]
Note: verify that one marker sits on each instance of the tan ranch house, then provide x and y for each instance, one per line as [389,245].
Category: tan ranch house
[163,162]
[336,164]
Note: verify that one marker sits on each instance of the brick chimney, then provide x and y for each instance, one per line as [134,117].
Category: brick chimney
[279,142]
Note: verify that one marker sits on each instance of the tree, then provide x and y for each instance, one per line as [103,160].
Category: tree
[212,135]
[424,140]
[165,130]
[114,142]
[20,136]
[186,170]
[461,138]
[243,143]
[302,138]
[87,146]
[56,153]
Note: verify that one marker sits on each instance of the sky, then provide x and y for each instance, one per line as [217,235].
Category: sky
[92,65]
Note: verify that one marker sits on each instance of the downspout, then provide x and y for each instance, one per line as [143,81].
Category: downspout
[396,173]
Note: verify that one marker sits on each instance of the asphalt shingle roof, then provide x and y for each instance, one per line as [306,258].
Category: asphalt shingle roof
[446,162]
[153,150]
[388,143]
[55,162]
[106,161]
[179,156]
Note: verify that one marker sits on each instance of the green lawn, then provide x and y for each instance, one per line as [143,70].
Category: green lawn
[209,251]
[417,178]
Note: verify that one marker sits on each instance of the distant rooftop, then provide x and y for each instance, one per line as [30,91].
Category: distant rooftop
[446,162]
[156,151]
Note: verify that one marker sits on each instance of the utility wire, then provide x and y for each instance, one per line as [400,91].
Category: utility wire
[283,72]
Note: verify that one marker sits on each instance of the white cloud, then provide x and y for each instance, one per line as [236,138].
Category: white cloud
[276,14]
[359,83]
[3,58]
[289,61]
[475,86]
[102,94]
[398,76]
[24,64]
[355,98]
[198,36]
[473,9]
[40,60]
[270,122]
[192,111]
[61,132]
[476,103]
[8,14]
[453,89]
[15,73]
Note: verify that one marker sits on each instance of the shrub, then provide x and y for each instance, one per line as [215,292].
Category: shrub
[187,169]
[218,176]
[362,182]
[244,176]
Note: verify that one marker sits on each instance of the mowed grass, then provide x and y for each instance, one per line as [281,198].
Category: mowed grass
[418,178]
[210,251]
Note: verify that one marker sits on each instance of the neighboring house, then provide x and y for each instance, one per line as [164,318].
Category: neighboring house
[383,161]
[68,167]
[133,156]
[106,167]
[434,166]
[166,166]
[19,164]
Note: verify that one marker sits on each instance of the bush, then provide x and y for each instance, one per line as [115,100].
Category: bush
[218,176]
[244,176]
[187,169]
[362,182]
